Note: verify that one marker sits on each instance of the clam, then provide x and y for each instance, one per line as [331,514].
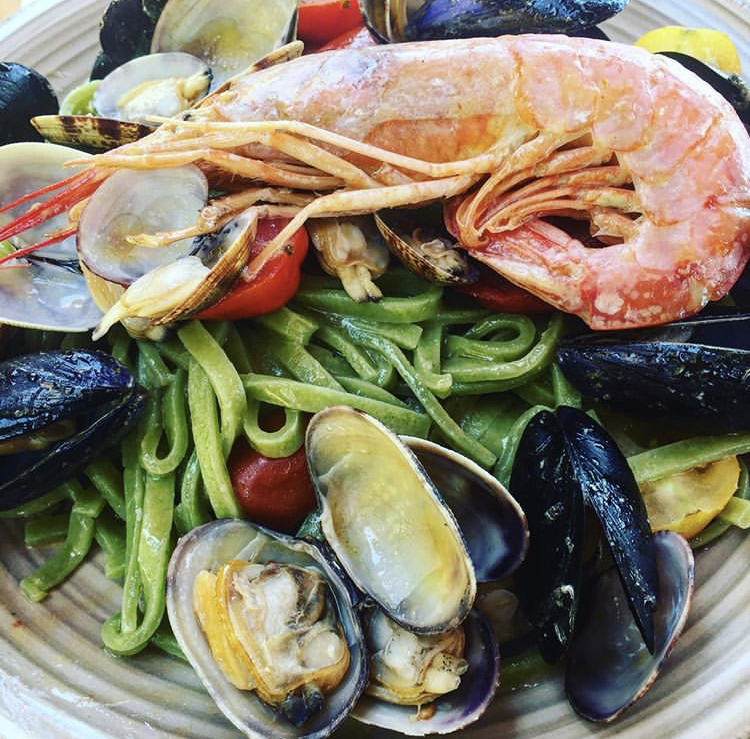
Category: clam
[24,93]
[428,684]
[609,665]
[89,132]
[152,85]
[685,371]
[419,239]
[387,523]
[44,290]
[221,578]
[229,35]
[58,410]
[420,20]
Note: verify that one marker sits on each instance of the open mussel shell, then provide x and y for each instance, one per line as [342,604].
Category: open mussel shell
[219,542]
[418,20]
[421,242]
[168,84]
[491,521]
[454,710]
[609,666]
[229,35]
[48,292]
[666,379]
[90,391]
[387,523]
[89,132]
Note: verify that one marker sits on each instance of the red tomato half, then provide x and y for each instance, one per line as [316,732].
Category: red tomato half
[320,21]
[276,493]
[496,293]
[275,284]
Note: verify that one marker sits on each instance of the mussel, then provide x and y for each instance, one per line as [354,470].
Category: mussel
[420,20]
[57,411]
[687,371]
[24,93]
[567,464]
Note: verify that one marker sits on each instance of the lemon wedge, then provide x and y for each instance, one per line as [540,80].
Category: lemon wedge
[687,502]
[710,46]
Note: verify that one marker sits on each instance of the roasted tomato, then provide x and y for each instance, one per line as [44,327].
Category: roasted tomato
[320,21]
[273,286]
[496,293]
[276,493]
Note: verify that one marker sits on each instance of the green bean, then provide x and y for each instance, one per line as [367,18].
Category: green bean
[289,324]
[427,361]
[105,477]
[37,506]
[154,548]
[175,424]
[414,309]
[448,427]
[504,466]
[192,510]
[208,443]
[311,399]
[563,390]
[49,529]
[158,373]
[357,359]
[281,443]
[222,376]
[541,355]
[684,455]
[57,568]
[369,390]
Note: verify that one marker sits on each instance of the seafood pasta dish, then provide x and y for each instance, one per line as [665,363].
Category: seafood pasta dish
[393,356]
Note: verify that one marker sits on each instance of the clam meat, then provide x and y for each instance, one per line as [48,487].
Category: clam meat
[269,627]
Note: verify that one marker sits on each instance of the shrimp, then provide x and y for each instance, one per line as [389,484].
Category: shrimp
[508,132]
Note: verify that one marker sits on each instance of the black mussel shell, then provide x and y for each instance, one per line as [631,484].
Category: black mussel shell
[731,86]
[594,32]
[609,666]
[437,19]
[90,388]
[565,460]
[125,33]
[548,581]
[24,93]
[670,381]
[153,8]
[611,490]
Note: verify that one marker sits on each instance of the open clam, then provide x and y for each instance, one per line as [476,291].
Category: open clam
[309,624]
[44,290]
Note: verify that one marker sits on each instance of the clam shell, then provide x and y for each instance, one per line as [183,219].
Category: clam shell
[215,543]
[89,132]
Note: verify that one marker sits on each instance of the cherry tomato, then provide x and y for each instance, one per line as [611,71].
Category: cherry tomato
[498,294]
[273,286]
[320,21]
[358,38]
[276,493]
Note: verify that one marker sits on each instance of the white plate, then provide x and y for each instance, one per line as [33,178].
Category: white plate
[56,681]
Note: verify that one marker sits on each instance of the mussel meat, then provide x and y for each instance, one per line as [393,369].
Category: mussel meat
[58,410]
[269,627]
[421,20]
